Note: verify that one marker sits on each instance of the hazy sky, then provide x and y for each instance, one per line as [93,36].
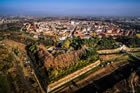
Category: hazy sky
[70,7]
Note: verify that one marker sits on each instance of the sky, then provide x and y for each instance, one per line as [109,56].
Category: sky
[70,7]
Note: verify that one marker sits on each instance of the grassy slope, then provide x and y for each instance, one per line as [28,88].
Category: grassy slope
[13,74]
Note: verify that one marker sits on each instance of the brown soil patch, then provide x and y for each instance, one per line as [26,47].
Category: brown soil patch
[107,57]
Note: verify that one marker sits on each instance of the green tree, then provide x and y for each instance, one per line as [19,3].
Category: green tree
[77,43]
[66,44]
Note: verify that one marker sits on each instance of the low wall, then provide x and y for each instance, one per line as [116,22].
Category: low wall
[109,51]
[72,76]
[85,69]
[133,49]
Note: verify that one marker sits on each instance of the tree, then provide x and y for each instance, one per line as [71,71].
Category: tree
[55,73]
[94,34]
[66,44]
[91,54]
[106,43]
[77,43]
[130,42]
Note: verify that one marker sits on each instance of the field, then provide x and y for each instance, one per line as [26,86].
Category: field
[15,74]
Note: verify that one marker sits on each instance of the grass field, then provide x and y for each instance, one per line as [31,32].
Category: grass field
[15,74]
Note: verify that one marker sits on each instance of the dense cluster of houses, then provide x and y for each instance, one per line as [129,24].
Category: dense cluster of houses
[84,29]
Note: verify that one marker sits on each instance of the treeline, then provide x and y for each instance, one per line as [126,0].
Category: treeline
[106,43]
[100,44]
[14,27]
[16,36]
[26,39]
[133,42]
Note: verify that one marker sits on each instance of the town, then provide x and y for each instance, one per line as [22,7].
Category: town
[69,46]
[57,54]
[85,29]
